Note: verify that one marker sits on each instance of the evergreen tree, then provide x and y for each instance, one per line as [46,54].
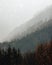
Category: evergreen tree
[19,57]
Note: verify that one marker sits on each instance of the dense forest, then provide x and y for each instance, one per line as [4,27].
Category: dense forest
[41,56]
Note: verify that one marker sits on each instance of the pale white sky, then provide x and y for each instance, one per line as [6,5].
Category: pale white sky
[15,12]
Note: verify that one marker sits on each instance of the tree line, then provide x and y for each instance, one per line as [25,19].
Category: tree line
[41,56]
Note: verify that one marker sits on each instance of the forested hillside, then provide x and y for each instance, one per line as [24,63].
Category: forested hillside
[41,56]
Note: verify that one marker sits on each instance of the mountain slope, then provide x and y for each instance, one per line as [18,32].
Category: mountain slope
[30,41]
[32,25]
[29,35]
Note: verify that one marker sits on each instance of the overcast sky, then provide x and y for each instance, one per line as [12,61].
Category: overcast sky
[15,12]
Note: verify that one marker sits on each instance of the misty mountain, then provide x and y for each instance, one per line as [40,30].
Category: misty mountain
[29,35]
[31,25]
[32,40]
